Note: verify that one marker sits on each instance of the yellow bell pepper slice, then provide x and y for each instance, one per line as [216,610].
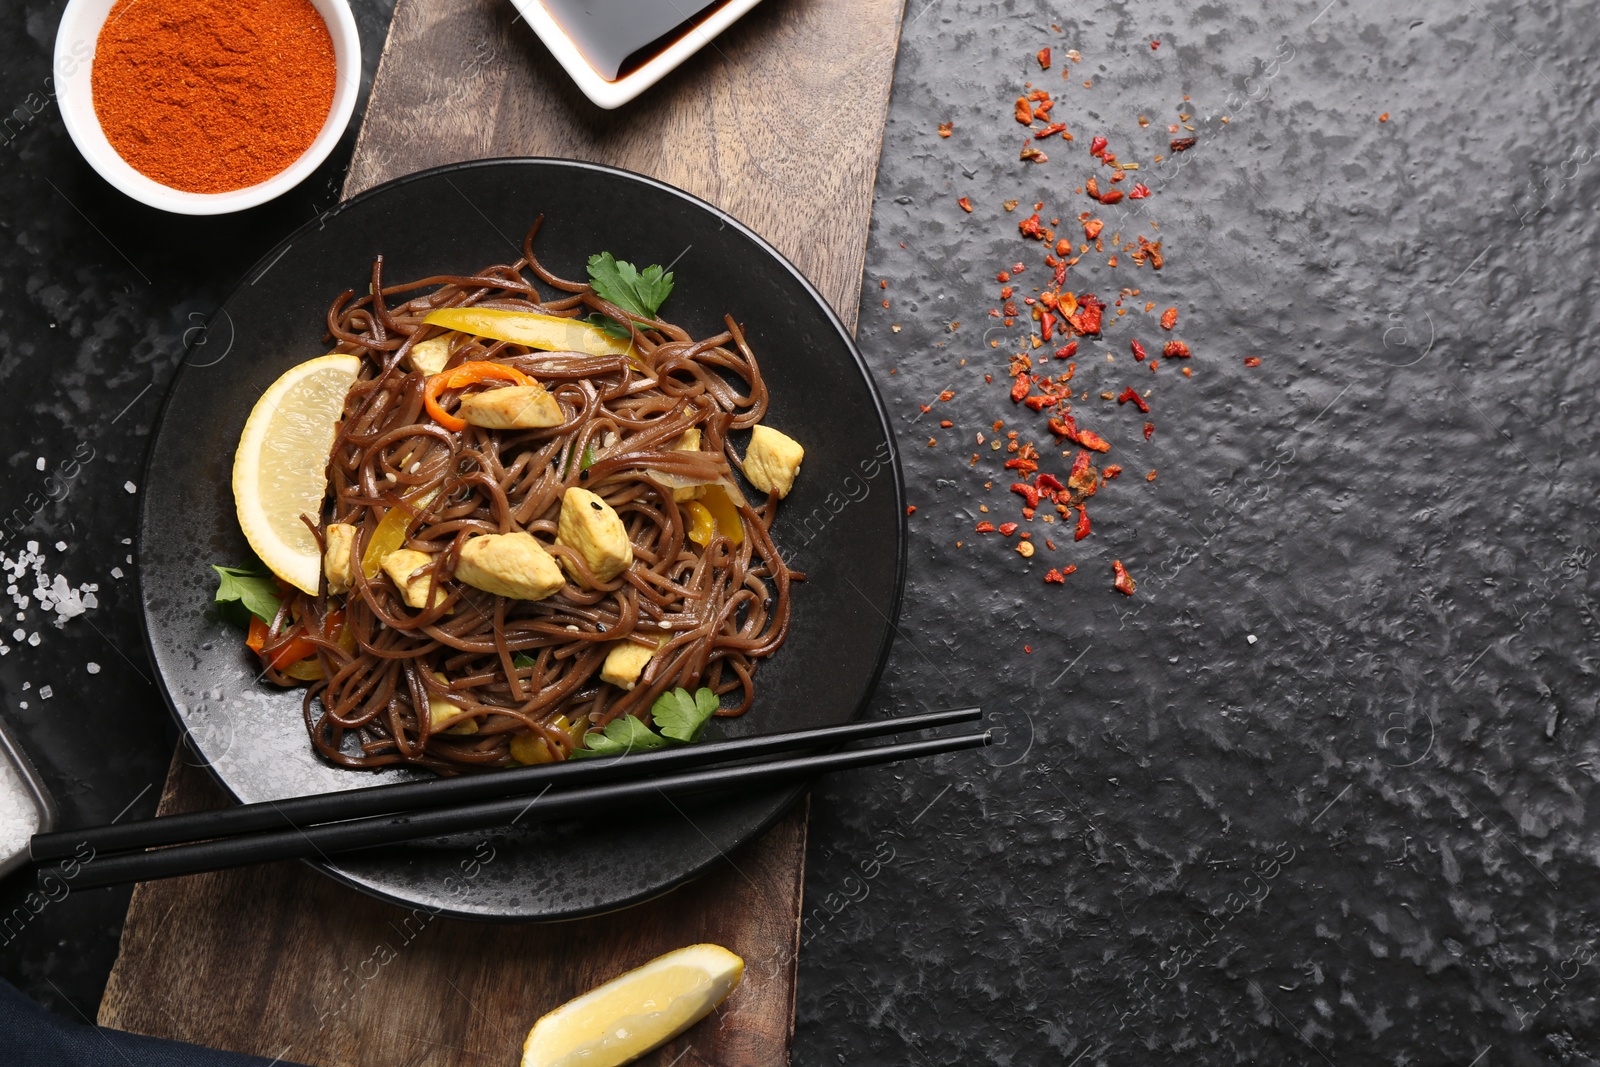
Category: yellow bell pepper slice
[549,333]
[729,524]
[530,750]
[390,535]
[702,524]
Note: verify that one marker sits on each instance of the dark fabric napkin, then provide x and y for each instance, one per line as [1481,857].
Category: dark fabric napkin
[33,1036]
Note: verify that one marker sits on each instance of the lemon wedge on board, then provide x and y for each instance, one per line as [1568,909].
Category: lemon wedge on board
[281,468]
[633,1013]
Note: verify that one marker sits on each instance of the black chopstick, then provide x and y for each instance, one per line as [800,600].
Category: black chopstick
[410,796]
[328,839]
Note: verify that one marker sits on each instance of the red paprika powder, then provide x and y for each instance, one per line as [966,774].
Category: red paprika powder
[209,96]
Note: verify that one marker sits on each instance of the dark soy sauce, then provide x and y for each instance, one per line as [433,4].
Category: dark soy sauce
[618,36]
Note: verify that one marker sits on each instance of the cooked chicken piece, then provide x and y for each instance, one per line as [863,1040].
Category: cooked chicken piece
[626,661]
[430,356]
[773,460]
[513,565]
[402,566]
[590,527]
[440,710]
[689,442]
[514,407]
[336,562]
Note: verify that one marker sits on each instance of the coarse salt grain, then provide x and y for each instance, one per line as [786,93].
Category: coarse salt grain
[19,814]
[39,464]
[130,487]
[45,692]
[93,667]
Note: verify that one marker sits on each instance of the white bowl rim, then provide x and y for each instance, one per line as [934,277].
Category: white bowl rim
[74,98]
[609,94]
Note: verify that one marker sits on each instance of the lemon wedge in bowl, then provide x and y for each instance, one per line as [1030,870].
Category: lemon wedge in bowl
[281,468]
[633,1013]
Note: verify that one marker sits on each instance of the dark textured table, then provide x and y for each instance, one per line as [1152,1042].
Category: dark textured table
[1320,792]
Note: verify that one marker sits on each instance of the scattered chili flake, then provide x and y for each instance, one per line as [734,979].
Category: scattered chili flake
[1082,529]
[1031,153]
[1044,58]
[945,424]
[1020,387]
[1050,131]
[1028,649]
[1112,197]
[1169,318]
[1007,529]
[947,395]
[1040,401]
[1092,228]
[1123,582]
[1054,577]
[1024,111]
[911,509]
[966,205]
[1028,493]
[1090,439]
[1031,227]
[1097,148]
[984,527]
[1154,45]
[1150,477]
[1138,349]
[1176,350]
[1252,361]
[1130,393]
[1183,144]
[1149,428]
[1011,205]
[1067,351]
[1383,117]
[945,128]
[1025,549]
[1111,472]
[1187,373]
[1002,277]
[1086,320]
[932,441]
[1139,191]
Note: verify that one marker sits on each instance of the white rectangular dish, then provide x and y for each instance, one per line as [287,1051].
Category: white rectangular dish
[611,94]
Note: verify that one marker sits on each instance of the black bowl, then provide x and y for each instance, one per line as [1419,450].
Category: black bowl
[843,524]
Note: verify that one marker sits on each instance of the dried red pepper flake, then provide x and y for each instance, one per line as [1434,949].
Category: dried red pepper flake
[1027,492]
[1150,477]
[966,205]
[1149,428]
[1139,191]
[1044,58]
[1123,581]
[1019,388]
[1183,144]
[1092,188]
[1048,483]
[1031,153]
[1050,131]
[1252,361]
[1097,147]
[911,509]
[1031,227]
[945,424]
[984,527]
[1018,268]
[1005,294]
[1092,228]
[1111,472]
[1039,401]
[1138,349]
[1086,320]
[1132,394]
[1176,350]
[1026,464]
[1002,277]
[1112,197]
[1067,351]
[1082,529]
[1090,439]
[1169,318]
[1154,45]
[1069,568]
[1024,111]
[1383,117]
[1007,529]
[1054,577]
[946,128]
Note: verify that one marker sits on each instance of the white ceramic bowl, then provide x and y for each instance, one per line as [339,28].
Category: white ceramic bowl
[609,94]
[75,44]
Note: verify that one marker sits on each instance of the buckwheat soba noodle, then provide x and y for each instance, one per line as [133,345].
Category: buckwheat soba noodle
[519,620]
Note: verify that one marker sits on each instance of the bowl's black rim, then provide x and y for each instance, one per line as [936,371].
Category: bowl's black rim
[892,616]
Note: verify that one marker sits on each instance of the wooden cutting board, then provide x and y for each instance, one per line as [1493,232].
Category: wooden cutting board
[779,122]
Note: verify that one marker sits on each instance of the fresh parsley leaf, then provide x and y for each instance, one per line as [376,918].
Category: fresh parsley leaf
[622,735]
[611,326]
[681,716]
[522,659]
[256,591]
[637,292]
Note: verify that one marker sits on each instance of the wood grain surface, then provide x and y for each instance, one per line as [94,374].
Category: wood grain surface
[779,122]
